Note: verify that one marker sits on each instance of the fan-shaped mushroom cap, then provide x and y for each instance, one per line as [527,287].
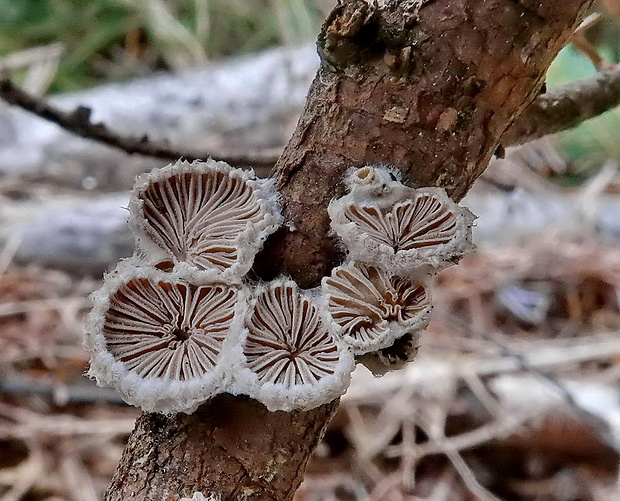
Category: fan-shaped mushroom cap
[426,229]
[372,307]
[394,357]
[203,215]
[290,357]
[162,343]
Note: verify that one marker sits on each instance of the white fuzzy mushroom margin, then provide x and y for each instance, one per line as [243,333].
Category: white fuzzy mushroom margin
[249,240]
[280,396]
[153,394]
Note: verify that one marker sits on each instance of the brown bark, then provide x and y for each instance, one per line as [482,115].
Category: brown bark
[231,445]
[566,107]
[428,92]
[426,86]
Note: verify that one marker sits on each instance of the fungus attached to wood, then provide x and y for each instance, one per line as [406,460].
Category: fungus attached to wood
[161,342]
[203,216]
[199,496]
[374,308]
[291,357]
[401,229]
[377,183]
[394,357]
[172,326]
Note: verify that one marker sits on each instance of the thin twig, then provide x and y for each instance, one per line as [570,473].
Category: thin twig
[462,468]
[581,43]
[469,439]
[566,107]
[29,472]
[478,388]
[79,393]
[532,363]
[78,122]
[8,252]
[503,187]
[65,426]
[546,357]
[77,477]
[559,109]
[35,305]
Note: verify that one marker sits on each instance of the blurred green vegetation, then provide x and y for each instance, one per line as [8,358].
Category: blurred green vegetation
[118,39]
[595,141]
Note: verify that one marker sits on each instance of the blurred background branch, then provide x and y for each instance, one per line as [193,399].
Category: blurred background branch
[78,121]
[567,106]
[562,108]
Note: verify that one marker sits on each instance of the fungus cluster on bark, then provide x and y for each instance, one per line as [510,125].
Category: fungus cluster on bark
[178,322]
[396,239]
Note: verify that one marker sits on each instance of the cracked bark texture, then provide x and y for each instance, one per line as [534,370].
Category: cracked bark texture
[231,446]
[428,86]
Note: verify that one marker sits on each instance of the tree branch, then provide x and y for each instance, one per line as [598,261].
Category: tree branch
[394,88]
[78,122]
[428,87]
[560,109]
[566,107]
[231,446]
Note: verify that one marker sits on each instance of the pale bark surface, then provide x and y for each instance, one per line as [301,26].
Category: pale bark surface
[426,86]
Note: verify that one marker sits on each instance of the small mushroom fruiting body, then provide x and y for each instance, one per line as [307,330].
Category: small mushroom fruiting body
[290,356]
[204,220]
[373,307]
[396,239]
[161,343]
[377,183]
[174,325]
[394,357]
[400,229]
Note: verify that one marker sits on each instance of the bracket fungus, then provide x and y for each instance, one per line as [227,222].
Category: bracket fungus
[204,219]
[173,326]
[398,228]
[374,307]
[291,357]
[161,343]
